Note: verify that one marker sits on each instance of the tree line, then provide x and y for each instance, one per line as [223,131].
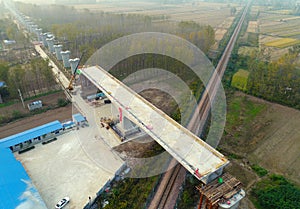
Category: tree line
[277,81]
[31,79]
[86,30]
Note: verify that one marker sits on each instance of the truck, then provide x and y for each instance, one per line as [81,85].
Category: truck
[96,96]
[35,105]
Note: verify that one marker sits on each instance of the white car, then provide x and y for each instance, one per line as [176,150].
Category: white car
[62,203]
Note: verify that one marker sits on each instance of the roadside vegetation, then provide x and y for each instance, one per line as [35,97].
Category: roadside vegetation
[128,193]
[190,195]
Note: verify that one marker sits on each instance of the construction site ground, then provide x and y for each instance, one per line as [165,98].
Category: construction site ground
[270,140]
[65,168]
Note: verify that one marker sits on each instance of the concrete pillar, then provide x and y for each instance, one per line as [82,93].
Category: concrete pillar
[65,57]
[73,63]
[39,34]
[44,37]
[29,28]
[57,49]
[126,126]
[33,28]
[50,42]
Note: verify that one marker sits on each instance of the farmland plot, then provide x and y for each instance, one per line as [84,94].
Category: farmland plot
[203,13]
[279,30]
[217,15]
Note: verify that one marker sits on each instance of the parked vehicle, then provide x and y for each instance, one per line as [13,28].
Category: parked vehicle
[62,203]
[107,101]
[35,105]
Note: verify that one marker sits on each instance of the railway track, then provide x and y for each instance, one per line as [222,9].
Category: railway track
[169,184]
[168,188]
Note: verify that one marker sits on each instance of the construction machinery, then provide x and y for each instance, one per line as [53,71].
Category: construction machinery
[70,87]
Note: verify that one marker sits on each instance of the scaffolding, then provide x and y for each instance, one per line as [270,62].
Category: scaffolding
[222,190]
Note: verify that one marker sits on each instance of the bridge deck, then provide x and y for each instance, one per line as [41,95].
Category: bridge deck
[195,155]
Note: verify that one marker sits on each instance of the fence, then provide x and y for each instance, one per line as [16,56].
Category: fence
[91,204]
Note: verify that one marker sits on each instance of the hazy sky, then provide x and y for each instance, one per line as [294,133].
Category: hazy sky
[37,1]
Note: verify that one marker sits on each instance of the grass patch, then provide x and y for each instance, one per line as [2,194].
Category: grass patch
[234,156]
[30,98]
[7,104]
[253,39]
[43,94]
[190,195]
[129,193]
[247,50]
[240,80]
[240,115]
[242,109]
[283,43]
[260,171]
[275,192]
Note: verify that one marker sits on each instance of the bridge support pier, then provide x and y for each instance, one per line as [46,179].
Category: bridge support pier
[126,126]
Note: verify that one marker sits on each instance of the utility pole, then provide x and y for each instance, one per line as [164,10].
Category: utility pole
[20,94]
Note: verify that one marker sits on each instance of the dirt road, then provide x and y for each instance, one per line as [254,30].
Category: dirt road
[24,124]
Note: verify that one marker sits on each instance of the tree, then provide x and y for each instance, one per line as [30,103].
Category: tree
[232,11]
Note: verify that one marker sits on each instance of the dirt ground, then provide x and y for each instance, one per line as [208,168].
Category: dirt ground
[23,124]
[271,141]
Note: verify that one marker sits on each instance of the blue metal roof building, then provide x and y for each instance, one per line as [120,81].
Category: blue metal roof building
[78,118]
[16,190]
[30,134]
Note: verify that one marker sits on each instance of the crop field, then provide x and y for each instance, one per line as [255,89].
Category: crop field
[278,30]
[280,25]
[247,50]
[252,27]
[283,42]
[214,14]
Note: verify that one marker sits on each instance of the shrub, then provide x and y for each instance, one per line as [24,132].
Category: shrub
[61,102]
[276,192]
[17,114]
[259,170]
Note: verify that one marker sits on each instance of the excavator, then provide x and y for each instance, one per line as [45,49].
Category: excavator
[70,87]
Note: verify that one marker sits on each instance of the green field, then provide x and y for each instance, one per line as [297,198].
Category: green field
[240,80]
